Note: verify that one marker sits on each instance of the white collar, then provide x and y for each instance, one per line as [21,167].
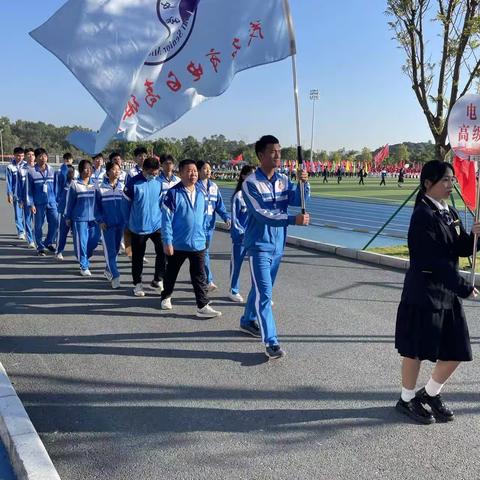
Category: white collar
[440,205]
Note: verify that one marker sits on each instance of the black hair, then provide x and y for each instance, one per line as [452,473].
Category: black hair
[246,169]
[185,163]
[67,156]
[434,171]
[140,151]
[109,165]
[113,155]
[39,151]
[165,157]
[70,171]
[82,164]
[151,163]
[261,144]
[202,163]
[29,149]
[97,155]
[18,150]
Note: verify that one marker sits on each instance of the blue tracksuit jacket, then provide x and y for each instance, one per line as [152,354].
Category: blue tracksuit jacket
[142,209]
[267,204]
[80,202]
[239,217]
[12,177]
[37,183]
[109,204]
[214,205]
[183,224]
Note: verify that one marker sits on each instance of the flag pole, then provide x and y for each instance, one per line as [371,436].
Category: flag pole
[476,159]
[293,50]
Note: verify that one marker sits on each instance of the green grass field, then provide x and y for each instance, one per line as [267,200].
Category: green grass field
[348,189]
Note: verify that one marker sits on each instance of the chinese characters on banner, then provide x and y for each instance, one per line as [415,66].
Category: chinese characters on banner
[464,127]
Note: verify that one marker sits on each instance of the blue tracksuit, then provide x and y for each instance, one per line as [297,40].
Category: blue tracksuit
[183,224]
[142,210]
[12,181]
[22,178]
[97,176]
[265,236]
[132,173]
[80,210]
[214,205]
[63,228]
[109,210]
[167,184]
[42,195]
[237,232]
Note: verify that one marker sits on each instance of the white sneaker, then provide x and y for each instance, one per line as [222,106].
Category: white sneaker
[138,290]
[208,312]
[211,287]
[166,304]
[122,247]
[85,273]
[145,260]
[235,297]
[32,245]
[116,282]
[59,256]
[21,236]
[107,275]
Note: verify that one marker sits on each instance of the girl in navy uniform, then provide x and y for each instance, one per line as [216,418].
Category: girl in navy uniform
[431,323]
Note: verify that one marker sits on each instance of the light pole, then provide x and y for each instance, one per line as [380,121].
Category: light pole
[1,143]
[314,95]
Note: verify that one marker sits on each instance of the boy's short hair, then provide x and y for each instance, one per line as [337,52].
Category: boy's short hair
[185,163]
[165,157]
[67,156]
[151,163]
[261,144]
[18,151]
[140,151]
[113,155]
[97,155]
[28,150]
[39,151]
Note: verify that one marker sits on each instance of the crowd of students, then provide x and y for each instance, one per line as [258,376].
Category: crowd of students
[104,204]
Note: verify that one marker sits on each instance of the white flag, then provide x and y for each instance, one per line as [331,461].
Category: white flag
[211,41]
[105,42]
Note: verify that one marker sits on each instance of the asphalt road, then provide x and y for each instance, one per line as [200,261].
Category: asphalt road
[118,389]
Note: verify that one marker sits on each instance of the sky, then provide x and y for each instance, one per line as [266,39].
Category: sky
[346,52]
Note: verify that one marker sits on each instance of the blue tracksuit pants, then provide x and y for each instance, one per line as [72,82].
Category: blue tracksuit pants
[208,271]
[18,216]
[63,230]
[28,222]
[111,239]
[50,213]
[263,268]
[236,260]
[85,240]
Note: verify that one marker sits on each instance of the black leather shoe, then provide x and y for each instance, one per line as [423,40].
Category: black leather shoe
[439,409]
[415,410]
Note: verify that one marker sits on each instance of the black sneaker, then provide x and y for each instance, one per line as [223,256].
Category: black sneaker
[439,408]
[42,253]
[252,329]
[415,410]
[51,248]
[157,284]
[275,352]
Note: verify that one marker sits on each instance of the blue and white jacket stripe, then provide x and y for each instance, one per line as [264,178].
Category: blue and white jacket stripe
[214,205]
[12,177]
[35,181]
[80,202]
[183,224]
[98,176]
[239,217]
[166,184]
[22,179]
[267,210]
[62,198]
[109,202]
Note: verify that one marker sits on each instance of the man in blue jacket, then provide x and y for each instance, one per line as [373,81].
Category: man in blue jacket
[144,220]
[12,194]
[267,194]
[183,231]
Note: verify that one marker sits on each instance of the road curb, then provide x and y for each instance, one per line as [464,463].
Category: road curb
[353,254]
[28,456]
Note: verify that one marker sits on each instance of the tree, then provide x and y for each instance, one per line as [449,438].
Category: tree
[366,155]
[402,155]
[438,83]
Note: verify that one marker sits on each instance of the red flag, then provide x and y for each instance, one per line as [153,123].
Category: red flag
[381,155]
[236,160]
[465,173]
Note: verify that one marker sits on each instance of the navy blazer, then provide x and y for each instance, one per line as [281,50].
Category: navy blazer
[433,279]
